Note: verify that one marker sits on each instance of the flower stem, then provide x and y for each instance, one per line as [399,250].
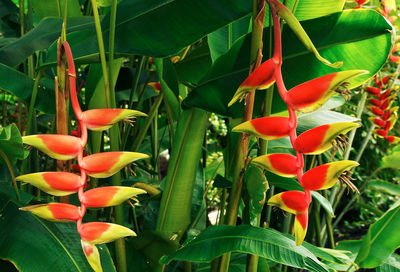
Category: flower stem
[14,181]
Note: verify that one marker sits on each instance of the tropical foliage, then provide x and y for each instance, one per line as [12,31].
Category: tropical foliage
[142,135]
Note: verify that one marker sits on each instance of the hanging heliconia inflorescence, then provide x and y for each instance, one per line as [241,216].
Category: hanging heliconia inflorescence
[381,106]
[305,97]
[100,165]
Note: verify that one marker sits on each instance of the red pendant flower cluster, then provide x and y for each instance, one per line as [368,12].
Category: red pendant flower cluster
[385,116]
[100,165]
[305,97]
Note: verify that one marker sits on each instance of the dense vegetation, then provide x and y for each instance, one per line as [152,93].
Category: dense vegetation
[263,135]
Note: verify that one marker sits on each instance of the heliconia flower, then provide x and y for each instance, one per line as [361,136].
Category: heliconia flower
[109,196]
[311,95]
[386,104]
[320,139]
[267,128]
[395,59]
[392,139]
[385,94]
[377,111]
[378,122]
[381,132]
[101,119]
[373,90]
[54,183]
[100,232]
[102,165]
[294,202]
[326,175]
[281,164]
[59,212]
[389,114]
[375,102]
[92,255]
[59,147]
[261,78]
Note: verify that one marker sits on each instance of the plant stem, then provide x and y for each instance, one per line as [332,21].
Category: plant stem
[354,198]
[239,166]
[32,103]
[114,131]
[14,181]
[102,51]
[147,122]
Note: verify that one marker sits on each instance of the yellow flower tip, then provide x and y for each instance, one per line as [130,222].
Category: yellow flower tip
[92,255]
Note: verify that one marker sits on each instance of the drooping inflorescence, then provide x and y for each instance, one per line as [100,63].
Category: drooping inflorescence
[381,106]
[306,97]
[100,165]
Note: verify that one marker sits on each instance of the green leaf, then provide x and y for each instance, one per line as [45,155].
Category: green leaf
[158,28]
[256,185]
[266,243]
[194,66]
[41,37]
[324,203]
[287,184]
[321,117]
[384,186]
[392,264]
[221,40]
[391,160]
[360,38]
[11,143]
[310,9]
[21,86]
[169,85]
[33,244]
[49,8]
[151,245]
[381,240]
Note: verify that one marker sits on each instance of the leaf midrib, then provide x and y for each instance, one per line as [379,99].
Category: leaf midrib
[58,240]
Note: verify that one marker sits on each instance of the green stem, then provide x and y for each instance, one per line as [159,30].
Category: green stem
[354,198]
[147,122]
[102,51]
[364,143]
[346,156]
[114,131]
[21,17]
[32,103]
[240,164]
[330,231]
[14,181]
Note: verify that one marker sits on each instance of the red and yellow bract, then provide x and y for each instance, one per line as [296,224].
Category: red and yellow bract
[101,165]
